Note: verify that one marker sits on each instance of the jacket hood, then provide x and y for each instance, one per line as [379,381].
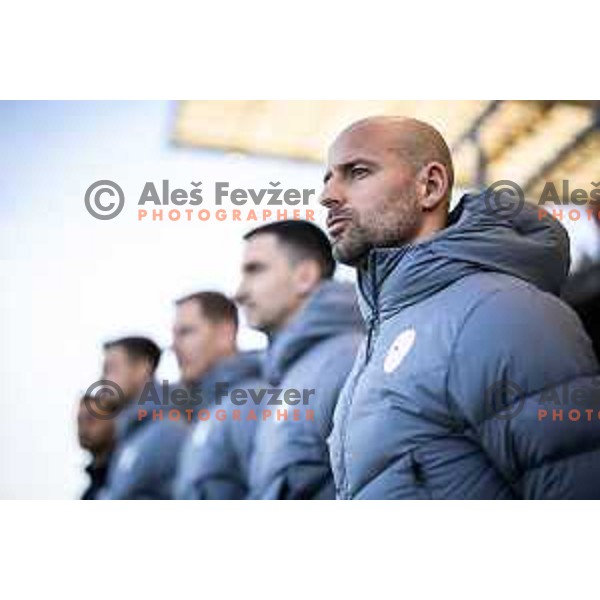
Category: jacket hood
[237,368]
[330,311]
[477,239]
[234,370]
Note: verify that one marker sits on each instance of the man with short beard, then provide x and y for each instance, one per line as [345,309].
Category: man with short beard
[465,332]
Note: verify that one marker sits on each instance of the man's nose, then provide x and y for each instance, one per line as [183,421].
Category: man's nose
[332,195]
[240,294]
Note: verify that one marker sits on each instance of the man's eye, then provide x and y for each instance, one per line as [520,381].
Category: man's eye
[359,172]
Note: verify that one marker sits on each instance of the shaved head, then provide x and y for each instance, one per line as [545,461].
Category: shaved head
[388,183]
[416,142]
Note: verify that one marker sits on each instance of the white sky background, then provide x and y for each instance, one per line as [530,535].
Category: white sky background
[70,282]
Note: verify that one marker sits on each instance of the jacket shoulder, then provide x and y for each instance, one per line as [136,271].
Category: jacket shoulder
[512,309]
[519,334]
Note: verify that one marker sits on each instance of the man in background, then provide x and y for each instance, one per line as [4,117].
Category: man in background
[96,432]
[314,327]
[214,460]
[145,459]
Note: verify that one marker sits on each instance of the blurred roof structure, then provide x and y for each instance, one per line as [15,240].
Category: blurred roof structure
[529,142]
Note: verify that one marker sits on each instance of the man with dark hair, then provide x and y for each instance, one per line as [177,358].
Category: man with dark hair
[144,462]
[96,432]
[130,362]
[214,460]
[466,336]
[314,328]
[302,242]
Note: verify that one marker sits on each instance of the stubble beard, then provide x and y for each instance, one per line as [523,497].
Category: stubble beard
[393,226]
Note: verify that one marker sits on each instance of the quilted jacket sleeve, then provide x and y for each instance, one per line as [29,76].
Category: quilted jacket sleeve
[524,382]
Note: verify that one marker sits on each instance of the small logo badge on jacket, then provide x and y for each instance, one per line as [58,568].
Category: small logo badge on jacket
[399,349]
[128,458]
[200,434]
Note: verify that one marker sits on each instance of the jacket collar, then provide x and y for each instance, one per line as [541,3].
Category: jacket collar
[478,238]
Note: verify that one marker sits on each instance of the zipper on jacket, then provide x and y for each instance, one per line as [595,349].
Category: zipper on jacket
[372,333]
[374,319]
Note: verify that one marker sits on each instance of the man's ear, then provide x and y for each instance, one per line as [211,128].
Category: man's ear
[434,185]
[140,372]
[227,334]
[306,277]
[145,369]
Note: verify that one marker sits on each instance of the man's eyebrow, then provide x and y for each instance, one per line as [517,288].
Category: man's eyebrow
[345,166]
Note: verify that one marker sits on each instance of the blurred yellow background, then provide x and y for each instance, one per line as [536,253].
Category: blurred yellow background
[529,142]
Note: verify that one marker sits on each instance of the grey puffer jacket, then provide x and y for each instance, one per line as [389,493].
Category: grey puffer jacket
[214,461]
[314,352]
[467,345]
